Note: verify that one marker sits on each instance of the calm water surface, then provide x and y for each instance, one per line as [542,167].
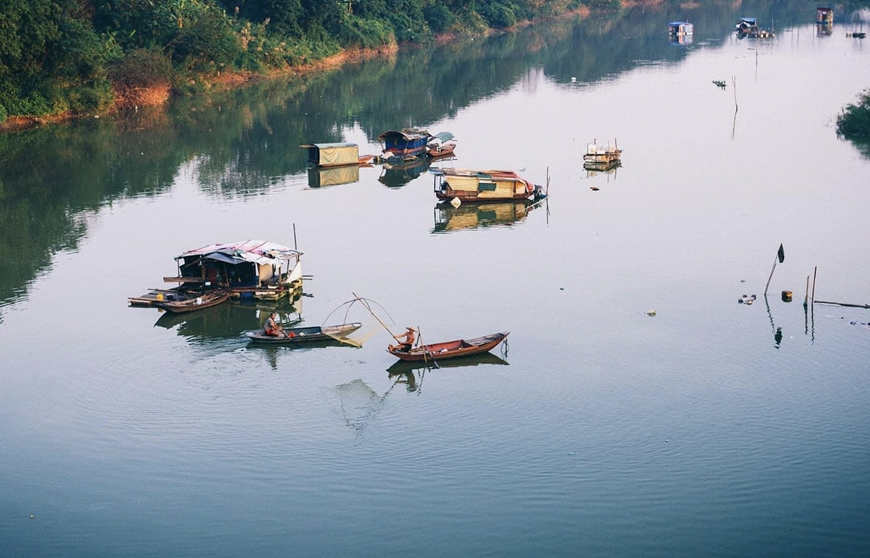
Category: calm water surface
[710,429]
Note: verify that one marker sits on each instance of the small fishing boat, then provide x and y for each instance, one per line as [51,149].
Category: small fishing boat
[492,185]
[441,145]
[449,349]
[192,304]
[305,334]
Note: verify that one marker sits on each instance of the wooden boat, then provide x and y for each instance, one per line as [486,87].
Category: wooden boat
[192,304]
[449,349]
[493,185]
[445,150]
[305,334]
[441,145]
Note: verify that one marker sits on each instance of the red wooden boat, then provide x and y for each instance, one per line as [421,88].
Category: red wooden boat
[450,349]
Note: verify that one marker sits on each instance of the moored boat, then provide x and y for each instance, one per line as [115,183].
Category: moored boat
[449,349]
[335,154]
[181,305]
[600,157]
[492,185]
[305,334]
[404,144]
[441,145]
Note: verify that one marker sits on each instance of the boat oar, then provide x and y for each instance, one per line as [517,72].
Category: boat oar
[426,350]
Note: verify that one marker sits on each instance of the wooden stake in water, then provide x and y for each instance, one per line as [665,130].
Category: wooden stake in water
[780,255]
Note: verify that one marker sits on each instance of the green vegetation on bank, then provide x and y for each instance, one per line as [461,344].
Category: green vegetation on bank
[74,56]
[854,122]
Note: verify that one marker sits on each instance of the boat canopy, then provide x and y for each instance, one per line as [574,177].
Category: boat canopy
[260,252]
[485,175]
[332,154]
[406,134]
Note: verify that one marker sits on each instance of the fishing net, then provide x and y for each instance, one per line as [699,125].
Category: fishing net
[357,312]
[355,403]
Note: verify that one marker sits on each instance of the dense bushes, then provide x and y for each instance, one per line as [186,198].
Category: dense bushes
[63,56]
[854,122]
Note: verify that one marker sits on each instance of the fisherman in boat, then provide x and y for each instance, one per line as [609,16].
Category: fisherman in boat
[272,328]
[409,337]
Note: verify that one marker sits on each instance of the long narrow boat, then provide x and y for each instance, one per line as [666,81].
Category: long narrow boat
[305,334]
[194,303]
[450,349]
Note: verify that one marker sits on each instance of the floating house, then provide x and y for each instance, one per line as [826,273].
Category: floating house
[681,28]
[601,157]
[253,269]
[824,15]
[404,144]
[333,154]
[492,185]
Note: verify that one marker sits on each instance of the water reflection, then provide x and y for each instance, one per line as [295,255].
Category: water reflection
[356,404]
[411,374]
[608,169]
[229,320]
[319,177]
[480,215]
[396,175]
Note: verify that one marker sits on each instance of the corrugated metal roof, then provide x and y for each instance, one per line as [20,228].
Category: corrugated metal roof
[256,251]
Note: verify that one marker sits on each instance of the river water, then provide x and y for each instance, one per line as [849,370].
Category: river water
[710,428]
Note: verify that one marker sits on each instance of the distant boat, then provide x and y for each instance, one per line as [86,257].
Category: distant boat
[410,143]
[335,154]
[745,24]
[601,157]
[305,334]
[441,145]
[404,144]
[449,349]
[681,28]
[491,185]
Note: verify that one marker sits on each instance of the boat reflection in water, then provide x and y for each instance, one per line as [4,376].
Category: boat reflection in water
[479,215]
[594,169]
[411,373]
[396,175]
[318,177]
[230,320]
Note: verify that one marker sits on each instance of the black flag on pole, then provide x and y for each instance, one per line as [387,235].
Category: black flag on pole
[781,254]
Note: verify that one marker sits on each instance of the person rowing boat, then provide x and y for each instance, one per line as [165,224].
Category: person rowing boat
[272,328]
[409,337]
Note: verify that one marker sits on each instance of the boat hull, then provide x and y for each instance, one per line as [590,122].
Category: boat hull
[193,304]
[304,334]
[450,349]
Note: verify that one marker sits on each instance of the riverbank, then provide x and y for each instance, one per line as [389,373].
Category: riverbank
[160,94]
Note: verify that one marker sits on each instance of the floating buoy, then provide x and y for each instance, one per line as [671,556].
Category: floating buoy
[786,296]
